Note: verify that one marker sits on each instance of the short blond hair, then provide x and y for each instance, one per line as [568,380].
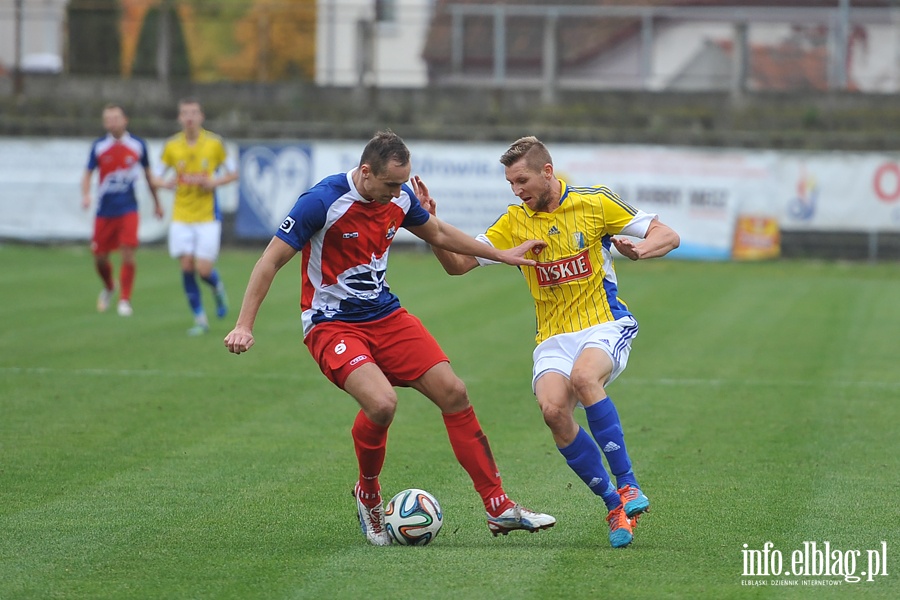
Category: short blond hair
[531,149]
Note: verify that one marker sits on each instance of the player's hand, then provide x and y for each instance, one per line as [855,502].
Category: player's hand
[516,256]
[207,183]
[626,248]
[158,211]
[239,340]
[421,192]
[86,201]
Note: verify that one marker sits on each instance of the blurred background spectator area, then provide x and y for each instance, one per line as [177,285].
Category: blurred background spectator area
[648,45]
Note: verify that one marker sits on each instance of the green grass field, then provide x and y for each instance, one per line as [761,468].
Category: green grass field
[761,404]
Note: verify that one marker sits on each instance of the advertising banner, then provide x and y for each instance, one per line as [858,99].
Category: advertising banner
[839,191]
[272,178]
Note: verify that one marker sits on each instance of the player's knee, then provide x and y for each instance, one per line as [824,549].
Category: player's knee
[454,397]
[586,385]
[556,417]
[381,409]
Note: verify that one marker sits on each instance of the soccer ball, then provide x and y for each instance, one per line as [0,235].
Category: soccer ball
[413,517]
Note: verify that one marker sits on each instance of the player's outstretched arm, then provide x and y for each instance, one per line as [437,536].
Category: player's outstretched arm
[276,255]
[454,260]
[447,237]
[659,241]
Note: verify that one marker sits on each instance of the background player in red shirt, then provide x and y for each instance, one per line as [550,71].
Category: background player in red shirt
[121,159]
[361,337]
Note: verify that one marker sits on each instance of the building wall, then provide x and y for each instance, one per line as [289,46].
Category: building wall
[42,34]
[396,45]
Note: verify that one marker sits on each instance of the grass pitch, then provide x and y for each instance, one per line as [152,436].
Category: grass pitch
[761,404]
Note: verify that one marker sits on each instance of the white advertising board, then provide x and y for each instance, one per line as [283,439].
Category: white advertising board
[699,192]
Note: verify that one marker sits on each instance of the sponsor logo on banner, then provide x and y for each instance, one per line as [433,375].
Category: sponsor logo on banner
[564,270]
[272,178]
[756,238]
[802,206]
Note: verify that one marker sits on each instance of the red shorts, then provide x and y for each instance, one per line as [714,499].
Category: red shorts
[110,233]
[398,344]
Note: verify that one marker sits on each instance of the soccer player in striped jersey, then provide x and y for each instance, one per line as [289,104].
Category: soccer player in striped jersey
[363,340]
[121,159]
[201,165]
[584,330]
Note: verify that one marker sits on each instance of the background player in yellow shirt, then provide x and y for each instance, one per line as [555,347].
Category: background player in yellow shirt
[584,331]
[201,164]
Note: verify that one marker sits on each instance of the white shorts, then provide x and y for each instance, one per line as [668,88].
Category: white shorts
[200,240]
[559,352]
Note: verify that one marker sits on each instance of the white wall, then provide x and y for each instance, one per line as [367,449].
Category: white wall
[42,33]
[398,45]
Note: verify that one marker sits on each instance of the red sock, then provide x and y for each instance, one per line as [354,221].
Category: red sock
[473,452]
[105,270]
[370,442]
[126,280]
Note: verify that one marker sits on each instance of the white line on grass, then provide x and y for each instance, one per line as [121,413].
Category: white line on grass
[151,373]
[664,381]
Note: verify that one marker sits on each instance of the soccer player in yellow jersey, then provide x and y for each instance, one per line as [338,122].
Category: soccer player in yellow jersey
[584,331]
[201,164]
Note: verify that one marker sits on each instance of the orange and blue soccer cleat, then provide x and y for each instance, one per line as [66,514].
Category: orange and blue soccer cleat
[634,501]
[621,528]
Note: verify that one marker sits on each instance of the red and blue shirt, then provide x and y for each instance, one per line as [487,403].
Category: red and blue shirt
[121,163]
[345,241]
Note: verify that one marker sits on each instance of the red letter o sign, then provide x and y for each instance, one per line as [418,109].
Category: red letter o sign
[887,182]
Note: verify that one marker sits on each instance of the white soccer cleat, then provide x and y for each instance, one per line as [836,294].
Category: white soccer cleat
[103,299]
[124,308]
[371,520]
[519,517]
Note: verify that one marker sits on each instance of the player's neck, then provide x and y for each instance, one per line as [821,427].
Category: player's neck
[357,178]
[192,135]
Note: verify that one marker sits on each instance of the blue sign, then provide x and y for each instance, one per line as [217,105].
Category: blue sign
[272,178]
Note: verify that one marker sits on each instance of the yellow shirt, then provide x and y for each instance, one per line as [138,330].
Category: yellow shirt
[574,283]
[191,162]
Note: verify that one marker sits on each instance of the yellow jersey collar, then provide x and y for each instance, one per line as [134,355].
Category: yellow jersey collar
[563,194]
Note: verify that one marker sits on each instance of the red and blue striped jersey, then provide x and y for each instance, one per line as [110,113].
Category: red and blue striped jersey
[121,163]
[345,241]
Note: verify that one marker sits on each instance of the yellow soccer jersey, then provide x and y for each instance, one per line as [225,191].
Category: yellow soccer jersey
[193,204]
[574,283]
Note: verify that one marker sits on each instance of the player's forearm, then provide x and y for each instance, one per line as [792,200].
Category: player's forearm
[659,242]
[257,288]
[86,184]
[225,179]
[453,263]
[151,184]
[447,237]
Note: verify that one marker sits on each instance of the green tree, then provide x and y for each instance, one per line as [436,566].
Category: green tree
[179,66]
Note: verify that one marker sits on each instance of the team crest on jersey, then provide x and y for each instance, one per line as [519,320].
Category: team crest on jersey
[391,231]
[564,270]
[578,239]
